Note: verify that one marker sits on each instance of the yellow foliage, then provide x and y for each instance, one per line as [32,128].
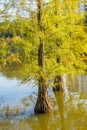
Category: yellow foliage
[14,58]
[16,39]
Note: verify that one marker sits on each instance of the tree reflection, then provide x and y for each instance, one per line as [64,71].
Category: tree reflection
[69,112]
[60,104]
[44,121]
[21,72]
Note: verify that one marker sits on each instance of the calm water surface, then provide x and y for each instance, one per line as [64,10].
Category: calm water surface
[17,106]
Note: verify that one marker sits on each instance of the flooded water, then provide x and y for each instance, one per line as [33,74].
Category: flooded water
[17,106]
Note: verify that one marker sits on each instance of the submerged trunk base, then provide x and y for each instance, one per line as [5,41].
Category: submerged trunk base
[58,84]
[42,108]
[43,103]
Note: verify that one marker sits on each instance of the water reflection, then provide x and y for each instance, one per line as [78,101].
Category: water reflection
[60,103]
[16,98]
[78,85]
[82,83]
[17,103]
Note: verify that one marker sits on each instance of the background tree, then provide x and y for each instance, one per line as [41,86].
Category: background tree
[67,28]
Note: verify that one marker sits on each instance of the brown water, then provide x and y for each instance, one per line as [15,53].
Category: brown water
[17,106]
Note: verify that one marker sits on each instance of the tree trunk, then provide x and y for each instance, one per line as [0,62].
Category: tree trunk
[58,80]
[43,103]
[58,83]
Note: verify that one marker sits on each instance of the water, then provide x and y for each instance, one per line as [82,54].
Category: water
[17,106]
